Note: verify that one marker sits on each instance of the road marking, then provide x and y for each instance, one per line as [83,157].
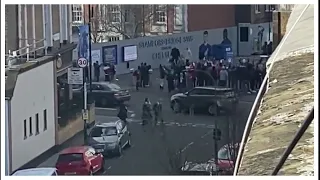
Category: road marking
[109,167]
[206,134]
[109,109]
[187,146]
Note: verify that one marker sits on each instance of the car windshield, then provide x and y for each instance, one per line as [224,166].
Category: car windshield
[70,157]
[103,131]
[224,153]
[114,87]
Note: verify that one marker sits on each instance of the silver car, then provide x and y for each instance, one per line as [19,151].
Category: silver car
[109,138]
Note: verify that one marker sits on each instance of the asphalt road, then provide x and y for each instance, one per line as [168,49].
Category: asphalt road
[190,134]
[151,150]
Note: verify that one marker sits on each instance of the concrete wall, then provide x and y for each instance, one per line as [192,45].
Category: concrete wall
[159,51]
[34,93]
[75,126]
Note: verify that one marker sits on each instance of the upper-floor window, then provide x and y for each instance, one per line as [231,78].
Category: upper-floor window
[257,8]
[114,13]
[160,14]
[178,16]
[126,16]
[77,14]
[269,8]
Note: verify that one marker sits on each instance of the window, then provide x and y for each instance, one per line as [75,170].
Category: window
[269,8]
[103,131]
[77,14]
[30,126]
[244,34]
[37,123]
[257,8]
[25,129]
[113,38]
[178,17]
[160,14]
[127,14]
[72,157]
[45,123]
[114,13]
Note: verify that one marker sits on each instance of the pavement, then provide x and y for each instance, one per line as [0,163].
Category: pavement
[190,134]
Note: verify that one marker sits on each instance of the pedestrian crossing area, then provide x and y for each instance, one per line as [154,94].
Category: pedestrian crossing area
[168,124]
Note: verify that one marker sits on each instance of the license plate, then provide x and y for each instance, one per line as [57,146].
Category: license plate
[99,150]
[70,173]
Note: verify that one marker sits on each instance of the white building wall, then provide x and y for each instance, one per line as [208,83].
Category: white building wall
[33,93]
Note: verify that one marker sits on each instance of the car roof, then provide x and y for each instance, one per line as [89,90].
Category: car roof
[108,124]
[48,171]
[75,149]
[214,88]
[103,83]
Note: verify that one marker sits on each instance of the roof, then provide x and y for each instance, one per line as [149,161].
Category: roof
[287,101]
[13,72]
[214,88]
[35,172]
[75,149]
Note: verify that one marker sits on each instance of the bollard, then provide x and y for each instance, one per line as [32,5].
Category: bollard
[28,52]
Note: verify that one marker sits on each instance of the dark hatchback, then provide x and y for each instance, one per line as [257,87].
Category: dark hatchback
[105,93]
[211,99]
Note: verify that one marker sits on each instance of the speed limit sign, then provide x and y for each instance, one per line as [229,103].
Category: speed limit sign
[82,62]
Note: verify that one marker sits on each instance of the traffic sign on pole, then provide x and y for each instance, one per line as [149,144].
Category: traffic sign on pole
[82,62]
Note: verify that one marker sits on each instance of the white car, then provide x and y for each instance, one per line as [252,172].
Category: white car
[48,171]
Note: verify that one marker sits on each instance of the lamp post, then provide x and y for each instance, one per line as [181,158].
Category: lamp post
[90,58]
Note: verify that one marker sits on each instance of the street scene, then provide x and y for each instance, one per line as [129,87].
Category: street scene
[155,147]
[151,90]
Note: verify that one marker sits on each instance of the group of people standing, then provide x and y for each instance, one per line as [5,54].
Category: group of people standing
[141,76]
[109,70]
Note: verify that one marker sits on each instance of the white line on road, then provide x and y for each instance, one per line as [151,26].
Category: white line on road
[206,134]
[108,109]
[185,148]
[109,167]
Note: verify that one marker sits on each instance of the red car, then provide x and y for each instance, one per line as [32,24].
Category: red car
[226,156]
[81,160]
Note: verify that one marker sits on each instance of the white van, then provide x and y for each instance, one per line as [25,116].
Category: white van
[36,172]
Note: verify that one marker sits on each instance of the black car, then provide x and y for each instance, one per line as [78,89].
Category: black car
[105,93]
[211,99]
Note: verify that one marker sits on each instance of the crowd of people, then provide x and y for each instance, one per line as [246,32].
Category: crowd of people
[181,74]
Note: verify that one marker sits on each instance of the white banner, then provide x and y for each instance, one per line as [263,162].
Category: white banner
[96,56]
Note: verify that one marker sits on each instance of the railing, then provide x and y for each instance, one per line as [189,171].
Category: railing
[13,57]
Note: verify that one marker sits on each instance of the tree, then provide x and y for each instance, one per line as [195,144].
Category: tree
[130,21]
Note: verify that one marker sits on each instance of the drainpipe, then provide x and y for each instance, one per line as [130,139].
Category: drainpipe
[185,17]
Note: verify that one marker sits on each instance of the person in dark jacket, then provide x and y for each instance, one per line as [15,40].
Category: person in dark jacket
[146,112]
[157,110]
[175,54]
[162,76]
[96,67]
[123,113]
[170,82]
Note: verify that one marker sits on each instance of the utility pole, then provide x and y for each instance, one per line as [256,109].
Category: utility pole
[90,58]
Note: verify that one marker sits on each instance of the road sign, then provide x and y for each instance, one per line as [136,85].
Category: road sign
[75,76]
[85,114]
[82,62]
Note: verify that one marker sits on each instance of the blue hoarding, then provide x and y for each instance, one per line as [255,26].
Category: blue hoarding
[109,54]
[83,44]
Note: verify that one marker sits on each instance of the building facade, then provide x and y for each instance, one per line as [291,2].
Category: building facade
[119,22]
[31,112]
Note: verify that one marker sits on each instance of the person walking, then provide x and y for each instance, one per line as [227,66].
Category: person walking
[162,76]
[146,113]
[157,110]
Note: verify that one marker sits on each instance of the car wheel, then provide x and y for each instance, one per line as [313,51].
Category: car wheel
[176,107]
[213,110]
[90,172]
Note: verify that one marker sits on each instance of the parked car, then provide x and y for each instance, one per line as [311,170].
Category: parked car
[81,160]
[105,93]
[212,99]
[110,138]
[227,155]
[36,172]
